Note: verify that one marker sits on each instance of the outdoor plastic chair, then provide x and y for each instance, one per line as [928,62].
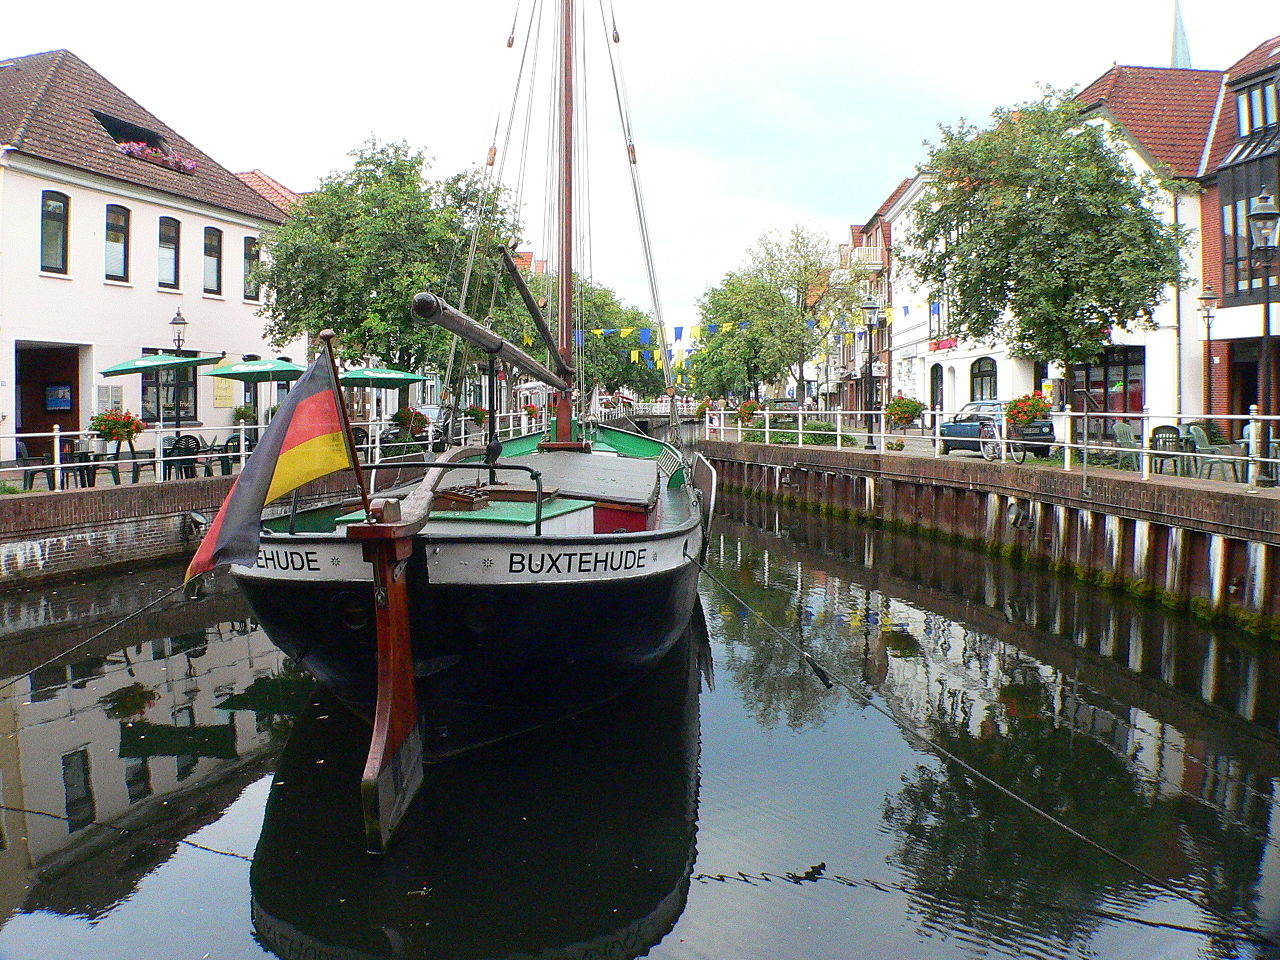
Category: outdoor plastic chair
[1210,455]
[1167,447]
[180,455]
[1130,450]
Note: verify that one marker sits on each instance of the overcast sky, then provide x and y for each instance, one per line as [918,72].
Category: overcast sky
[747,116]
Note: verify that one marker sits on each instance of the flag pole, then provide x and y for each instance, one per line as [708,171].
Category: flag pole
[327,336]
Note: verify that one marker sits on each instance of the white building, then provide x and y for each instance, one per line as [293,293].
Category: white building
[110,225]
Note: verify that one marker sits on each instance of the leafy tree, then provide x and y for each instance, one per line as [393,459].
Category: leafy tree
[771,316]
[1036,230]
[353,253]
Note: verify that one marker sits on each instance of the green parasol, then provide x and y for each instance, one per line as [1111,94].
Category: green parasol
[259,371]
[381,377]
[156,361]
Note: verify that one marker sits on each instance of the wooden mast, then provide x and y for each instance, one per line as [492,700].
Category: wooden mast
[564,406]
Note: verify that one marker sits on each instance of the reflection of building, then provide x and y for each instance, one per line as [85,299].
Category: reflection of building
[112,736]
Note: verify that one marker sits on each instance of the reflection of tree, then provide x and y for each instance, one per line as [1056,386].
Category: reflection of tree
[775,684]
[962,842]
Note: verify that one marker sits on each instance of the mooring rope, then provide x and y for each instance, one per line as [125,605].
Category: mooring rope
[829,679]
[124,831]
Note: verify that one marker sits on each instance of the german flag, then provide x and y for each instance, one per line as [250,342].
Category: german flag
[303,443]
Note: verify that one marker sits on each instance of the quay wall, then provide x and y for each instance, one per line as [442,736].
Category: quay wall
[46,535]
[1206,546]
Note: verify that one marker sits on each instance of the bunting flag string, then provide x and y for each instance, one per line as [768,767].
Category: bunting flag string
[645,333]
[626,331]
[679,331]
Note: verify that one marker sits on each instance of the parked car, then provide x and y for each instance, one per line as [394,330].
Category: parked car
[961,431]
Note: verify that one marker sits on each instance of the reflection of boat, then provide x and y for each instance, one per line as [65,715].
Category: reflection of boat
[554,567]
[575,841]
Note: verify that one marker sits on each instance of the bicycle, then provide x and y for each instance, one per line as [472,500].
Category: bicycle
[989,442]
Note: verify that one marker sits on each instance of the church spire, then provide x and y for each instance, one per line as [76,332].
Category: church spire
[1181,52]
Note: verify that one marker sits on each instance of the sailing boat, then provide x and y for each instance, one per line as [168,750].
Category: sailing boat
[546,571]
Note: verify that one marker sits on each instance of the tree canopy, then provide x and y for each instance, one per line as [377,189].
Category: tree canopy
[771,316]
[1038,231]
[354,252]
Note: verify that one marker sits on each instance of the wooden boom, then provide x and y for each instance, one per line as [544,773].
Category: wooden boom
[427,306]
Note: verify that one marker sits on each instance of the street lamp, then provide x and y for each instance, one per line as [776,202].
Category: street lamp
[1208,300]
[179,327]
[870,321]
[1263,222]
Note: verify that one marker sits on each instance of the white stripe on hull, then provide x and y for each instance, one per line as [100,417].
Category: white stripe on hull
[478,562]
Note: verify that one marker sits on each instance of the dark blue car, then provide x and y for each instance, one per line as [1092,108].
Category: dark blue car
[961,432]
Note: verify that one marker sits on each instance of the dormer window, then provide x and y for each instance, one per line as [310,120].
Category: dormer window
[1257,108]
[122,131]
[136,141]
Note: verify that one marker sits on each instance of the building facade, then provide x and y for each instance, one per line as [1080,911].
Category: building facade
[112,226]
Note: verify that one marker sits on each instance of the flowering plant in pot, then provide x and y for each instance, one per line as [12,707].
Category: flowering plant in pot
[1025,409]
[119,425]
[410,422]
[532,410]
[156,155]
[747,411]
[476,414]
[903,410]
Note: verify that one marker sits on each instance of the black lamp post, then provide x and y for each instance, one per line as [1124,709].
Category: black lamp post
[1263,222]
[870,321]
[1208,300]
[179,327]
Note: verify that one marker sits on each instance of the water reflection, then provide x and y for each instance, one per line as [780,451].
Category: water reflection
[101,729]
[1154,735]
[576,840]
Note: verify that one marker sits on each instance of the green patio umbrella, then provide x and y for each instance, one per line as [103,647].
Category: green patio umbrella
[259,371]
[383,378]
[156,361]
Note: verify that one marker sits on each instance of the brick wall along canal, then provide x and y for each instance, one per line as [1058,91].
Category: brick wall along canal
[763,816]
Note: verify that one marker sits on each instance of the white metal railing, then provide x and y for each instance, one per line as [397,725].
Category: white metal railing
[1144,442]
[58,459]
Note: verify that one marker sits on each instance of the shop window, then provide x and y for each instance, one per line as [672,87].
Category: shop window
[166,394]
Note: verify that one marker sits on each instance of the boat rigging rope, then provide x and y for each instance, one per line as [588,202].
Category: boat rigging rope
[637,194]
[830,679]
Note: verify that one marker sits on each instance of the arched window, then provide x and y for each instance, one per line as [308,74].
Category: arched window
[935,386]
[55,210]
[170,258]
[252,288]
[117,250]
[982,379]
[212,260]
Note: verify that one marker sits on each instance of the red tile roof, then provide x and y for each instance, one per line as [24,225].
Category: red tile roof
[46,104]
[269,187]
[1167,110]
[1264,56]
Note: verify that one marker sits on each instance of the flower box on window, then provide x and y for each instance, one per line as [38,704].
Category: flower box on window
[158,156]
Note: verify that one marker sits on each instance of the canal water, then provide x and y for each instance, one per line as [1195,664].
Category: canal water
[172,788]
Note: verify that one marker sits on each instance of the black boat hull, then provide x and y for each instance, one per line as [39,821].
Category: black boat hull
[532,647]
